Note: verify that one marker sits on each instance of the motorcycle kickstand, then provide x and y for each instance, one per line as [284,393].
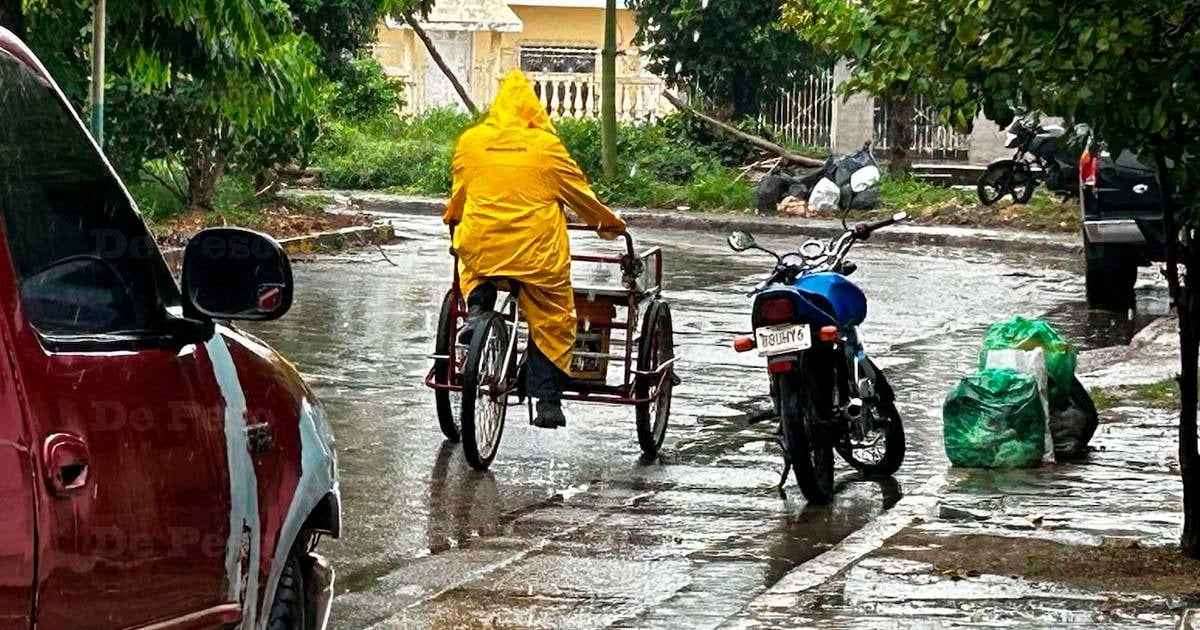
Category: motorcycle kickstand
[787,468]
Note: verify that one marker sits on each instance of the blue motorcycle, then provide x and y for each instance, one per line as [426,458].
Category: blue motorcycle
[828,395]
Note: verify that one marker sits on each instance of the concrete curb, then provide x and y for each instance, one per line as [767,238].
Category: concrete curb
[357,236]
[785,594]
[906,234]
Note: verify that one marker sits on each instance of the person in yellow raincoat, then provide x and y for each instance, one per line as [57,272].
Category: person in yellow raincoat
[512,179]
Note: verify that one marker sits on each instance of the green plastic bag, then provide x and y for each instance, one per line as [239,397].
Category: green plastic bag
[1026,334]
[994,419]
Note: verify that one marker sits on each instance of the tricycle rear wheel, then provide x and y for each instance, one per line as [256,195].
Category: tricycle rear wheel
[484,400]
[447,402]
[656,348]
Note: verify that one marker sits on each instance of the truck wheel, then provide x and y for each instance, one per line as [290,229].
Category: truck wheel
[289,610]
[1110,275]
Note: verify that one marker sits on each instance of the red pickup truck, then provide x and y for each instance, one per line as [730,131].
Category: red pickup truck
[158,467]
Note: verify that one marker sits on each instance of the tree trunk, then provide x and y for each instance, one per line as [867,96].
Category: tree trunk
[741,135]
[12,17]
[204,174]
[441,63]
[1187,305]
[900,113]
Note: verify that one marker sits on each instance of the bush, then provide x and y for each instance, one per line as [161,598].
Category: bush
[410,155]
[364,91]
[157,203]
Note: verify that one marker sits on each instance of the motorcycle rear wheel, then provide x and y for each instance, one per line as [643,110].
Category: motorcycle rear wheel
[892,456]
[809,451]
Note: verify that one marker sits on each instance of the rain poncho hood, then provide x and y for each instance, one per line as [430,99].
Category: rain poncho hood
[512,179]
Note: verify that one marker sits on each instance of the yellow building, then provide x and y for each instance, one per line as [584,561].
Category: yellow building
[556,42]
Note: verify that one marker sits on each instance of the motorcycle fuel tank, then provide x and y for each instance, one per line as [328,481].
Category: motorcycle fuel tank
[847,300]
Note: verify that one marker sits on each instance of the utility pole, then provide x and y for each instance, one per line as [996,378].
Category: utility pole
[608,91]
[98,34]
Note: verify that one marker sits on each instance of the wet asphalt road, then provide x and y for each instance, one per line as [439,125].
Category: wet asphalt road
[569,529]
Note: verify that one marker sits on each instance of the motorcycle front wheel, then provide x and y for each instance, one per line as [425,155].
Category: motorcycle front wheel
[808,449]
[1006,178]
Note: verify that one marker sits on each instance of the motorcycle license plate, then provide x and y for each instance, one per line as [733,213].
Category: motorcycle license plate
[783,339]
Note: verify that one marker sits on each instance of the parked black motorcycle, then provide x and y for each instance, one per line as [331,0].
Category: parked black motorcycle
[1042,156]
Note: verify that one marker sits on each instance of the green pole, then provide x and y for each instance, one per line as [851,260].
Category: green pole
[608,91]
[98,35]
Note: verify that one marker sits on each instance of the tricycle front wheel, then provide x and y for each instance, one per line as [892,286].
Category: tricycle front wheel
[484,400]
[655,350]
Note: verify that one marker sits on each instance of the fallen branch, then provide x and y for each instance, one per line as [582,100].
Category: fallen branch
[770,163]
[761,143]
[441,63]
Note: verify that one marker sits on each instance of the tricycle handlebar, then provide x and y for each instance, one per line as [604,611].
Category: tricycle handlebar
[583,227]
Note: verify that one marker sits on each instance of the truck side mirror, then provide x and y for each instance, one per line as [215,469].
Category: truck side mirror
[234,273]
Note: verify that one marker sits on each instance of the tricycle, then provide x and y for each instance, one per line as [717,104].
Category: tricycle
[474,383]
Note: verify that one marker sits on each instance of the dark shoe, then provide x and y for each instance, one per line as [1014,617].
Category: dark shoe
[549,415]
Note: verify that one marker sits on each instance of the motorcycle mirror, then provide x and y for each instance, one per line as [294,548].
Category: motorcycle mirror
[741,241]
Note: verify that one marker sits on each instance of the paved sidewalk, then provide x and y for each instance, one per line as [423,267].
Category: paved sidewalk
[917,567]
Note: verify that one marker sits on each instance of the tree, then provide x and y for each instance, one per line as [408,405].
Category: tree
[342,29]
[197,86]
[734,52]
[848,30]
[1130,70]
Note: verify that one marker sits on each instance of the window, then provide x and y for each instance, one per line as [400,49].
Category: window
[84,261]
[558,59]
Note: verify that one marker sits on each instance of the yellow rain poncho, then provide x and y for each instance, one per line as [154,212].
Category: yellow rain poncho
[512,179]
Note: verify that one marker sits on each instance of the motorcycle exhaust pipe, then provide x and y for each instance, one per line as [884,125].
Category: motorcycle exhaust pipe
[854,408]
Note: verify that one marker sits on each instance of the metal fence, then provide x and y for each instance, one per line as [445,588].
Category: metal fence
[803,114]
[932,140]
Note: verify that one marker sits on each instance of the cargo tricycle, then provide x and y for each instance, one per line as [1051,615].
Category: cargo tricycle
[624,324]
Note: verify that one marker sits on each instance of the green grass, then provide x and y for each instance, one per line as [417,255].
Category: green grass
[1163,394]
[907,192]
[926,202]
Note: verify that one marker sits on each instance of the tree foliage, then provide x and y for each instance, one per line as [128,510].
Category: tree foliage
[1131,70]
[203,86]
[734,52]
[345,29]
[1128,69]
